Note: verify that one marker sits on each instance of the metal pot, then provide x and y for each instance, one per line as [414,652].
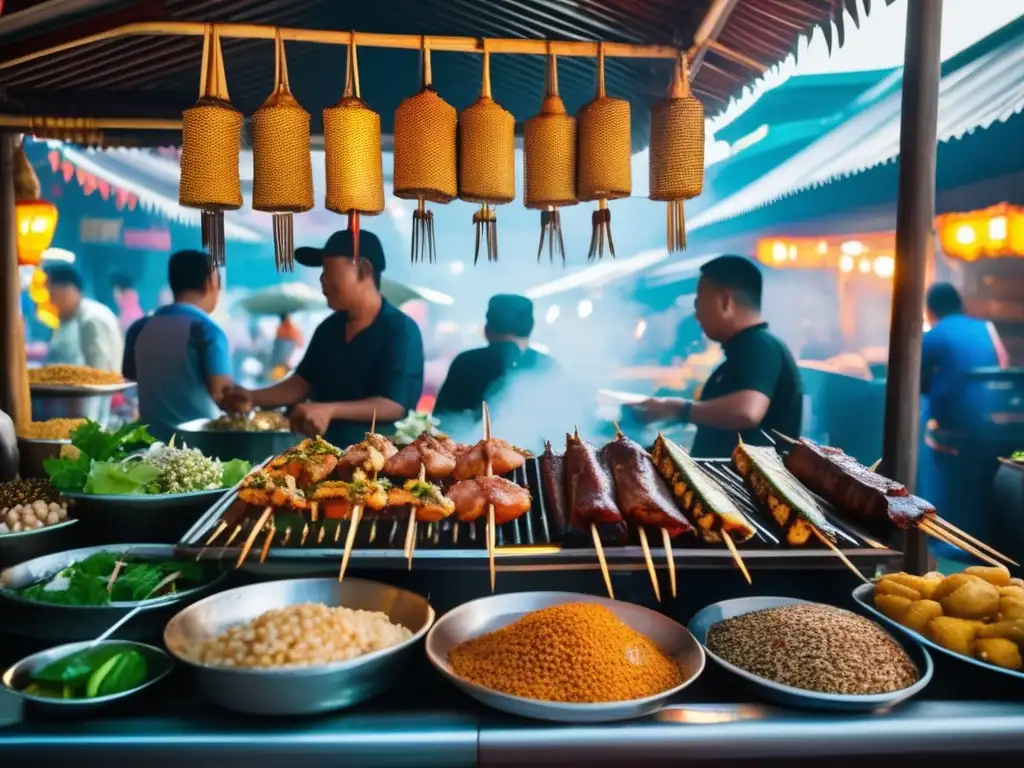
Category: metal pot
[254,447]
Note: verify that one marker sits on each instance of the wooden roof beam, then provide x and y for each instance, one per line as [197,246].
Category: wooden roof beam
[708,32]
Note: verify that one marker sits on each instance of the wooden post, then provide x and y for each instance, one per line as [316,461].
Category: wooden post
[915,220]
[10,310]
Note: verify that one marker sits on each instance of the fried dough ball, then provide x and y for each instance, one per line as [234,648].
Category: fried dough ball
[1015,582]
[893,606]
[889,587]
[923,586]
[999,651]
[1012,591]
[921,614]
[952,583]
[957,635]
[997,575]
[974,599]
[1012,629]
[1011,608]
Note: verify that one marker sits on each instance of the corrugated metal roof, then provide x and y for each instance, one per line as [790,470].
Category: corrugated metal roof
[975,91]
[158,76]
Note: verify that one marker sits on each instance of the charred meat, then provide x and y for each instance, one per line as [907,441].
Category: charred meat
[642,495]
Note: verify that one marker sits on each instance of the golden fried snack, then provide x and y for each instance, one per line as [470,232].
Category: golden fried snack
[957,635]
[951,583]
[921,614]
[893,606]
[1012,629]
[934,576]
[1015,582]
[1011,608]
[889,587]
[999,651]
[973,599]
[997,575]
[922,585]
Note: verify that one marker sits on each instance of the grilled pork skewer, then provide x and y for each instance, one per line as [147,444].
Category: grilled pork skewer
[369,455]
[471,498]
[337,498]
[590,496]
[474,460]
[426,499]
[310,462]
[437,459]
[267,489]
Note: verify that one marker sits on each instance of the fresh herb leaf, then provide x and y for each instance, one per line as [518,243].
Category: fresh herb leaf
[68,475]
[76,668]
[120,479]
[234,472]
[127,670]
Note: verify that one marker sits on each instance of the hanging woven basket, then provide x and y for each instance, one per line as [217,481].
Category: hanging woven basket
[549,163]
[677,152]
[487,161]
[425,157]
[603,157]
[211,140]
[352,153]
[282,181]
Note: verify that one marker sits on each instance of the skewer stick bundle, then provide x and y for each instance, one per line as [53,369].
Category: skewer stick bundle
[933,530]
[949,528]
[251,538]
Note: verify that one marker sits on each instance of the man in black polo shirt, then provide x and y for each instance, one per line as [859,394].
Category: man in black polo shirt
[758,385]
[366,358]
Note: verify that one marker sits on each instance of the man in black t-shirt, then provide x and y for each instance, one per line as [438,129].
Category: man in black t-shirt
[757,388]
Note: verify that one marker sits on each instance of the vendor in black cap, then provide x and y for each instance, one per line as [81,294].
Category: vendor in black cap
[366,358]
[481,374]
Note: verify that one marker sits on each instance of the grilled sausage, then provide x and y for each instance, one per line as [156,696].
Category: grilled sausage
[552,485]
[590,495]
[642,495]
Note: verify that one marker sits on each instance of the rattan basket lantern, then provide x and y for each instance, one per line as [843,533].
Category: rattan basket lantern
[677,152]
[352,153]
[211,140]
[603,158]
[282,172]
[425,158]
[487,161]
[549,163]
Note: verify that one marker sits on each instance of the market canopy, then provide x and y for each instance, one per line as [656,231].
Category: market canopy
[151,69]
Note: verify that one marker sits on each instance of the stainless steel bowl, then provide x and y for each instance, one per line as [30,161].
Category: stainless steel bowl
[488,614]
[788,695]
[864,595]
[24,545]
[33,452]
[160,518]
[254,447]
[298,690]
[69,623]
[19,675]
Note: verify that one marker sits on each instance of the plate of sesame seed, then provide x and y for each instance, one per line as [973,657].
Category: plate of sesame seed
[811,655]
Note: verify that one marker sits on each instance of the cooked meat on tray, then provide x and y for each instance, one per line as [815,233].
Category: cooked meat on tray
[268,489]
[553,481]
[310,462]
[852,488]
[427,499]
[472,496]
[437,458]
[780,494]
[337,497]
[369,455]
[699,494]
[472,460]
[641,494]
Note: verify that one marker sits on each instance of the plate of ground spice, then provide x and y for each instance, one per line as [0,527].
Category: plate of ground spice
[564,657]
[811,655]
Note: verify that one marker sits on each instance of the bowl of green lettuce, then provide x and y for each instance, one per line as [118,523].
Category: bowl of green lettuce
[127,486]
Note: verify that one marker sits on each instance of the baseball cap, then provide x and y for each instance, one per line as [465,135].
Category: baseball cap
[510,313]
[340,244]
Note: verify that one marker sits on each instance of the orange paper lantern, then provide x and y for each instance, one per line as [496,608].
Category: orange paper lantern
[36,223]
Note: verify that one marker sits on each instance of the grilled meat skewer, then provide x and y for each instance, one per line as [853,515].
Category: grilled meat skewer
[369,455]
[472,496]
[430,504]
[641,494]
[472,461]
[310,462]
[589,492]
[437,458]
[337,498]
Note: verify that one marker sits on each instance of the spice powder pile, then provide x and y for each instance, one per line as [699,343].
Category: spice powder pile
[816,648]
[578,653]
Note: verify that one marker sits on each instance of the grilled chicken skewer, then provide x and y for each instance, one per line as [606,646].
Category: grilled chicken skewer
[472,497]
[370,455]
[437,459]
[499,455]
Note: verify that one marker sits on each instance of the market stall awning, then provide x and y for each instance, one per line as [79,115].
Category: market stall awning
[156,75]
[981,86]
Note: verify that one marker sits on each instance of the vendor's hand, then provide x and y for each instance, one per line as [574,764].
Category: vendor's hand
[658,409]
[237,400]
[312,418]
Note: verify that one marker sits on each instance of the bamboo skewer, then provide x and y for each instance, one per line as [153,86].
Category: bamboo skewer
[287,535]
[948,527]
[838,553]
[350,540]
[950,538]
[601,560]
[666,541]
[221,527]
[736,555]
[271,533]
[337,532]
[233,536]
[305,534]
[490,507]
[251,538]
[650,562]
[410,533]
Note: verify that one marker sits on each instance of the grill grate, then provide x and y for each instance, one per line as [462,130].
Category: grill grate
[450,540]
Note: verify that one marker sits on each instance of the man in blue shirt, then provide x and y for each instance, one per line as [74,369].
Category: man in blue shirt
[364,359]
[179,355]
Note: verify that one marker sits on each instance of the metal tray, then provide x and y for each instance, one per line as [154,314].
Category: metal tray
[863,595]
[798,697]
[298,690]
[529,543]
[496,611]
[65,390]
[70,623]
